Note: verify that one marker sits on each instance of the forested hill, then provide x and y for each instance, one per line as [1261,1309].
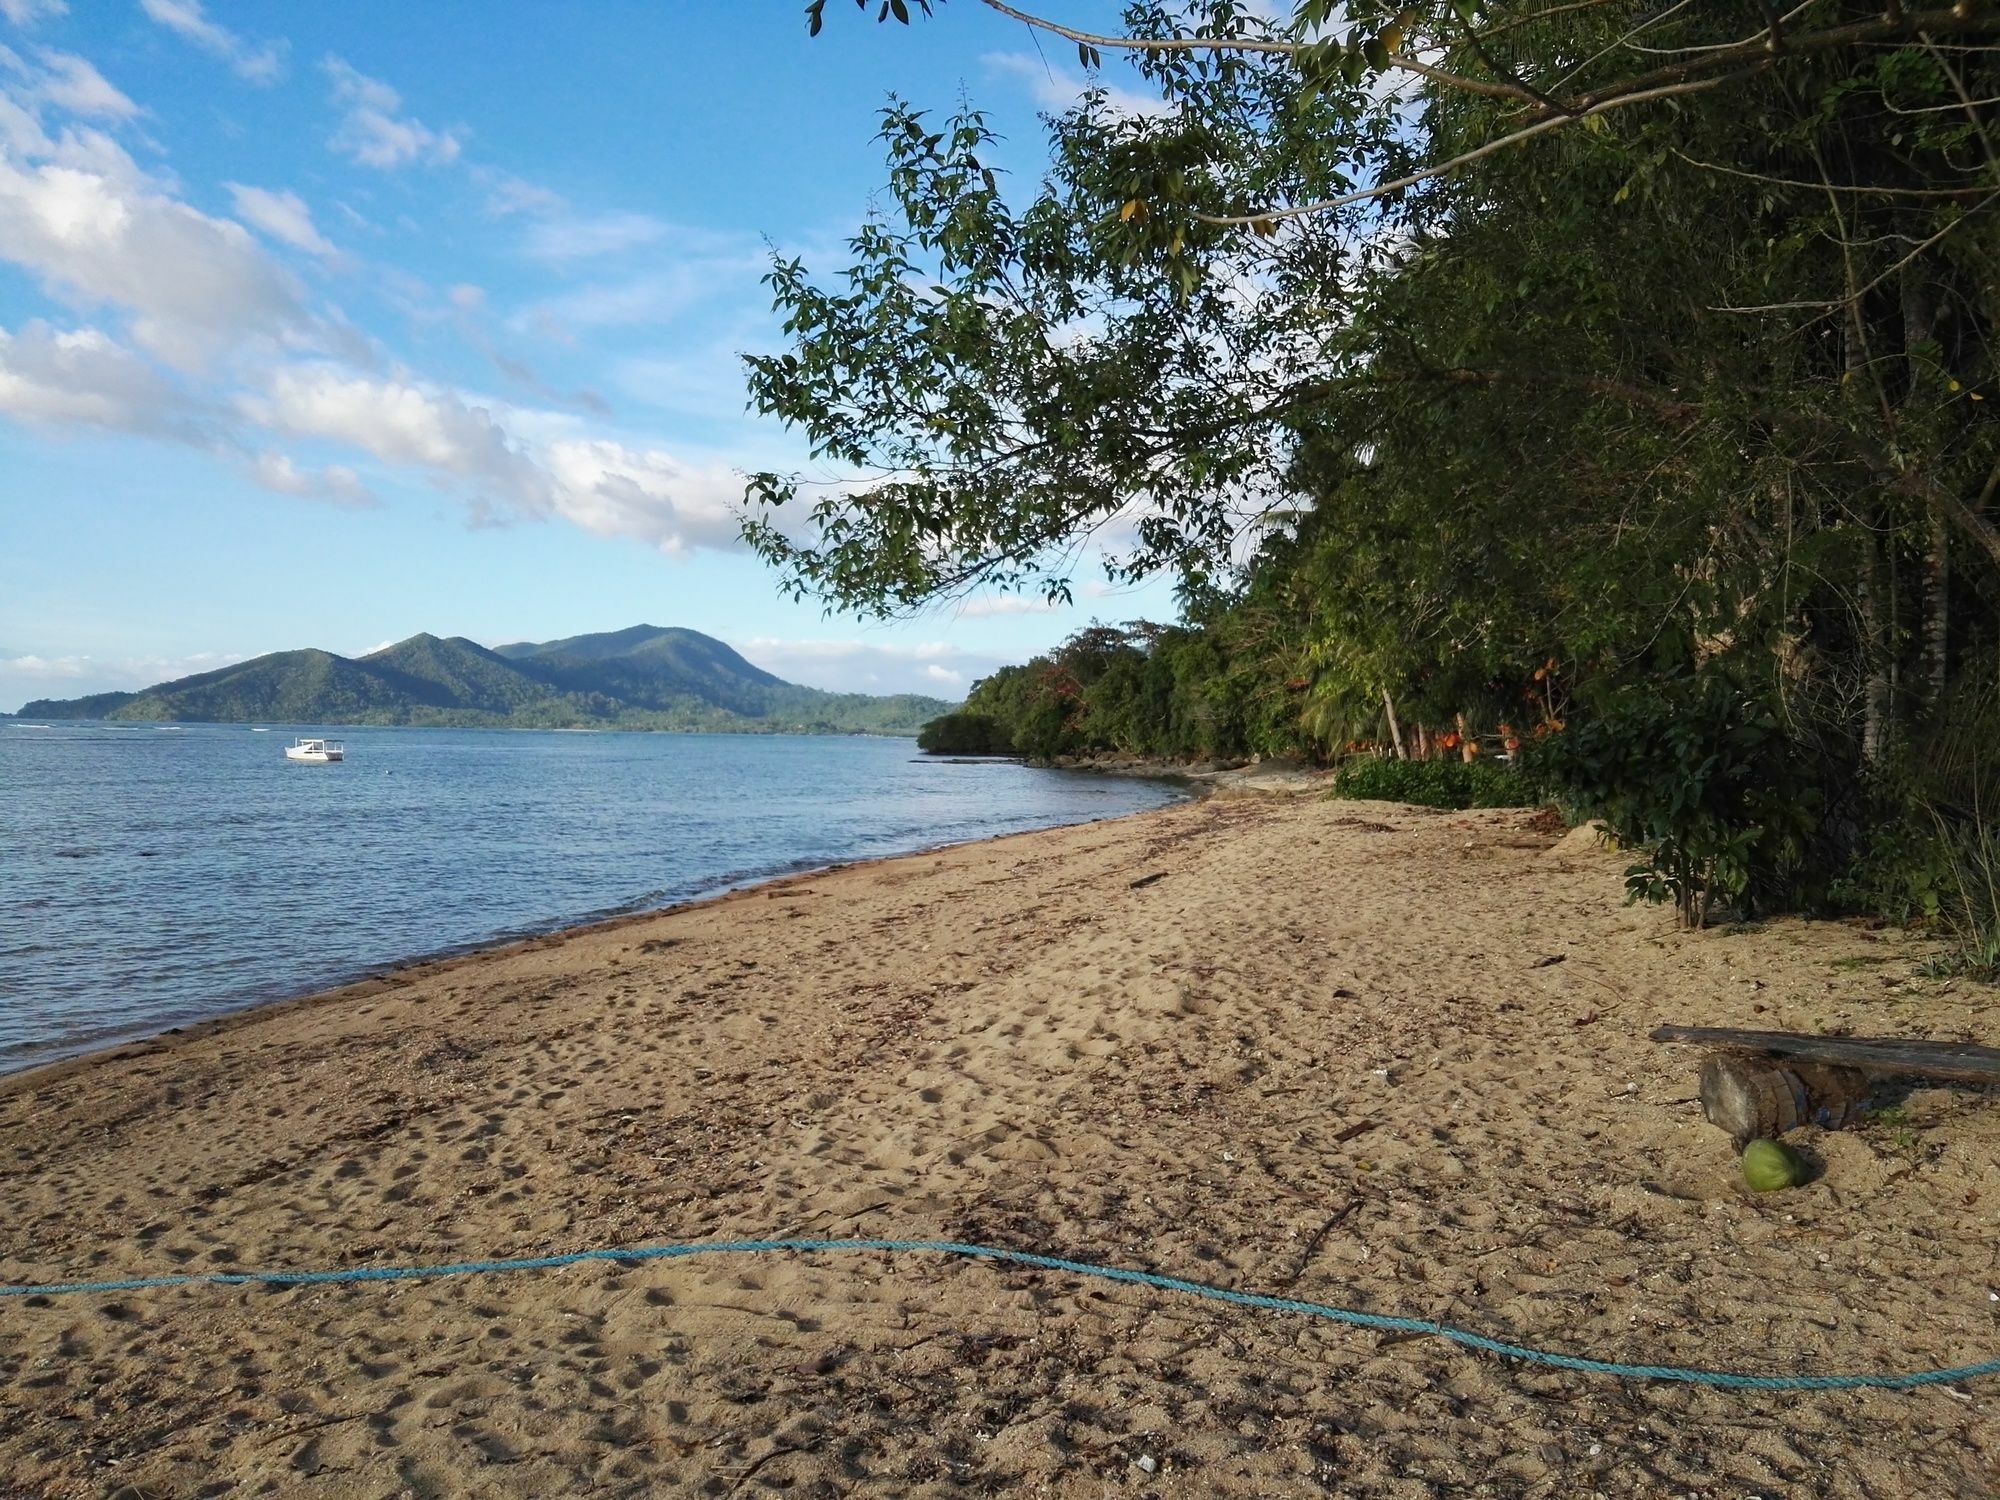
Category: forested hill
[647,677]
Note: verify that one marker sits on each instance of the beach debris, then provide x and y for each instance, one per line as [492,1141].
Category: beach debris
[1147,1464]
[1146,880]
[1550,961]
[1769,1166]
[1961,1062]
[1764,1083]
[1750,1097]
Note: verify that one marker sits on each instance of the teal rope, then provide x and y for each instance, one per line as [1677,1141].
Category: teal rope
[1720,1379]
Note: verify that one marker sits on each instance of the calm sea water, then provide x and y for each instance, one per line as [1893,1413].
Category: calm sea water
[151,876]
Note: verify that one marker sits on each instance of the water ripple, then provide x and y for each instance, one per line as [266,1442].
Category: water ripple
[152,879]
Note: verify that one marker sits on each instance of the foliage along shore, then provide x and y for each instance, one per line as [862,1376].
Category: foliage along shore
[1490,383]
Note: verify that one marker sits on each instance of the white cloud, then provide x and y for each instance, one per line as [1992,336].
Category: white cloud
[46,666]
[685,271]
[191,330]
[1057,89]
[506,464]
[336,484]
[375,132]
[282,215]
[933,667]
[403,423]
[93,229]
[261,63]
[1003,604]
[31,675]
[584,237]
[641,302]
[613,490]
[84,377]
[507,194]
[20,131]
[72,84]
[27,12]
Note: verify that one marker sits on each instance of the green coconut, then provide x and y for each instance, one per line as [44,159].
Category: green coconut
[1771,1165]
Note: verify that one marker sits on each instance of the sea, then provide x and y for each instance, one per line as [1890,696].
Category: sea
[152,875]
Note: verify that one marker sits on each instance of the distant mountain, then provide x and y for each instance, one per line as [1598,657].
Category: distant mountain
[647,677]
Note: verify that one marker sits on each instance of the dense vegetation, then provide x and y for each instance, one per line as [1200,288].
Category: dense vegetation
[646,677]
[1610,382]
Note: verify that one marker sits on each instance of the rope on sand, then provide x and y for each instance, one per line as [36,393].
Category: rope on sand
[1465,1338]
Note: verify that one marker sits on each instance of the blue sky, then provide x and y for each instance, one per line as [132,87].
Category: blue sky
[323,325]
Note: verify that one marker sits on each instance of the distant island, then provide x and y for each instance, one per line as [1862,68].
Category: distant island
[647,677]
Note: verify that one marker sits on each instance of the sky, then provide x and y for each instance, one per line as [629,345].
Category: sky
[325,325]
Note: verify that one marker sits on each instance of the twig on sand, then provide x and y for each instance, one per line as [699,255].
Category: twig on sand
[1319,1238]
[778,1452]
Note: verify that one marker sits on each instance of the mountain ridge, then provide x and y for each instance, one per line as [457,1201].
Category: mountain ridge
[642,677]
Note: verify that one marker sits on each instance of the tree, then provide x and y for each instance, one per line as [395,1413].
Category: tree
[1613,349]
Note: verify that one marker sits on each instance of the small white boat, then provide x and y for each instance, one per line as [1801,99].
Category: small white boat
[318,752]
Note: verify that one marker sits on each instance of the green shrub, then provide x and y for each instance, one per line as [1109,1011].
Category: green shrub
[1972,914]
[1453,784]
[1703,779]
[1906,868]
[1959,874]
[964,734]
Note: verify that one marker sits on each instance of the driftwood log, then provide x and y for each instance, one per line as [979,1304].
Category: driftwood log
[1764,1083]
[1882,1056]
[1751,1097]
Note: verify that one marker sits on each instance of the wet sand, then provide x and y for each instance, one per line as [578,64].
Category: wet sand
[1372,1056]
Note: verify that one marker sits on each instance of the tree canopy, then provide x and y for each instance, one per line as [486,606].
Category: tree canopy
[1486,362]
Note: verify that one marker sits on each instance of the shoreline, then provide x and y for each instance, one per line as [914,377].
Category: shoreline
[1346,1052]
[35,721]
[409,967]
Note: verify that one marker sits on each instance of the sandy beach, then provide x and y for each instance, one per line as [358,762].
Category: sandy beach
[1374,1056]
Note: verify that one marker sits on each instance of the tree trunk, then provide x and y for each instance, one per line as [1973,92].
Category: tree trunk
[1468,750]
[1919,310]
[1395,731]
[1875,702]
[1937,611]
